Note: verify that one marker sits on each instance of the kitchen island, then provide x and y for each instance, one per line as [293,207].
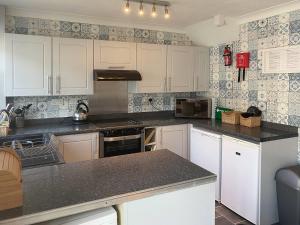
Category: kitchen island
[158,180]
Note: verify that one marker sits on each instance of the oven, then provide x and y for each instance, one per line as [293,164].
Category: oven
[123,141]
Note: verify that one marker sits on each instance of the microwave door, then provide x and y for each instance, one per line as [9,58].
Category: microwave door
[201,109]
[188,108]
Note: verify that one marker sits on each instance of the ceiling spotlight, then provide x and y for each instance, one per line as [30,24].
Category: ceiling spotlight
[154,13]
[167,14]
[141,10]
[127,8]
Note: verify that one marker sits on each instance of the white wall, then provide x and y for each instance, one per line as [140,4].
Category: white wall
[2,31]
[207,34]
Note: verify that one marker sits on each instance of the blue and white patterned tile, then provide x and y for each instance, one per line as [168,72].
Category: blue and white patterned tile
[294,120]
[294,109]
[295,39]
[262,23]
[284,18]
[282,119]
[262,106]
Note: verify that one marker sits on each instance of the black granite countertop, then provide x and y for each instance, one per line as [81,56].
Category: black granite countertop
[62,190]
[268,131]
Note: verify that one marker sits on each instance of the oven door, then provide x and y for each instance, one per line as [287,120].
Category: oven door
[121,145]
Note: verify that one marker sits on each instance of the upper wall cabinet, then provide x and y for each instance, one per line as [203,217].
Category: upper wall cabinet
[152,64]
[114,55]
[27,65]
[201,69]
[72,66]
[180,69]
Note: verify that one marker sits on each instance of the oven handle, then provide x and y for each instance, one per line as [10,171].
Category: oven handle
[122,138]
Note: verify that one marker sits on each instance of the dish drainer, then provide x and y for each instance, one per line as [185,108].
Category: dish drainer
[36,150]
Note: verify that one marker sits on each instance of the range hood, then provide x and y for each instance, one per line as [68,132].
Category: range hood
[117,75]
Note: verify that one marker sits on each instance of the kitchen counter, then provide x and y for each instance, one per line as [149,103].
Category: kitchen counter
[56,191]
[268,132]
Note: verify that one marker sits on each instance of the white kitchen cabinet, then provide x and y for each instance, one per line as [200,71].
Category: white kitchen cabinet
[173,138]
[152,64]
[79,147]
[72,66]
[191,206]
[28,65]
[114,55]
[205,151]
[201,69]
[248,186]
[180,69]
[240,163]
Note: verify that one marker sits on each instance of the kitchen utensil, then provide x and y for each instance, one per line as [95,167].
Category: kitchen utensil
[81,112]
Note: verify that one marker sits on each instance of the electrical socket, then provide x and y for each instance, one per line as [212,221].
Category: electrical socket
[150,100]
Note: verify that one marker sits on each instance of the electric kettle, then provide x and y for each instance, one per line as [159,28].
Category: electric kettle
[81,112]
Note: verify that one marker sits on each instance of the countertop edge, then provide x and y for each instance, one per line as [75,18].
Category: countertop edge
[106,202]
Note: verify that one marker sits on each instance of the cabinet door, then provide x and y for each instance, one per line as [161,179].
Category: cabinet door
[180,72]
[73,66]
[201,69]
[80,147]
[240,166]
[205,151]
[27,65]
[114,55]
[152,64]
[174,138]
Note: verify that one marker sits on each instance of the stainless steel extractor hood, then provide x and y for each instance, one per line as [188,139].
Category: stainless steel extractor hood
[117,75]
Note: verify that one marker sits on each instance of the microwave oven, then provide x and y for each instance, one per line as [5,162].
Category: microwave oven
[193,108]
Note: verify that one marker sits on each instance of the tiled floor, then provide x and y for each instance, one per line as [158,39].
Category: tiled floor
[225,216]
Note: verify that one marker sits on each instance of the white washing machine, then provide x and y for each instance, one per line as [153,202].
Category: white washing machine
[105,216]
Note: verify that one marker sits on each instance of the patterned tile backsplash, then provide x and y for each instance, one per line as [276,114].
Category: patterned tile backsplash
[48,107]
[277,95]
[55,28]
[161,101]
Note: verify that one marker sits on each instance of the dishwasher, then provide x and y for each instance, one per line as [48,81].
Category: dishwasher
[104,216]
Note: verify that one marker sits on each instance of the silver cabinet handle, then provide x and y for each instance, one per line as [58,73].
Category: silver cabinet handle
[122,138]
[49,85]
[170,83]
[197,83]
[116,67]
[165,84]
[58,85]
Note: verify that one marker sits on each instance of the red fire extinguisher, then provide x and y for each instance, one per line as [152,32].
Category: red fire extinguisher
[227,56]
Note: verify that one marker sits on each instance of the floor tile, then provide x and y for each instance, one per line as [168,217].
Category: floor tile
[223,221]
[244,223]
[230,215]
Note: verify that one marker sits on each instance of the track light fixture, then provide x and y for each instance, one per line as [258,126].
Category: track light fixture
[153,3]
[154,13]
[127,7]
[141,10]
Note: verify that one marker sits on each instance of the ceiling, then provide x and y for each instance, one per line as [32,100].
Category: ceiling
[183,12]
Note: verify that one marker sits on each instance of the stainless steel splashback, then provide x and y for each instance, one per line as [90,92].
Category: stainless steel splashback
[109,97]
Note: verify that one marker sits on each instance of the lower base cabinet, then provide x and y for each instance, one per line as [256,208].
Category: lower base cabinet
[173,138]
[79,147]
[192,206]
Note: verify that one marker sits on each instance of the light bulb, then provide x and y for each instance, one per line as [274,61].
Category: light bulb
[141,10]
[127,8]
[154,13]
[167,14]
